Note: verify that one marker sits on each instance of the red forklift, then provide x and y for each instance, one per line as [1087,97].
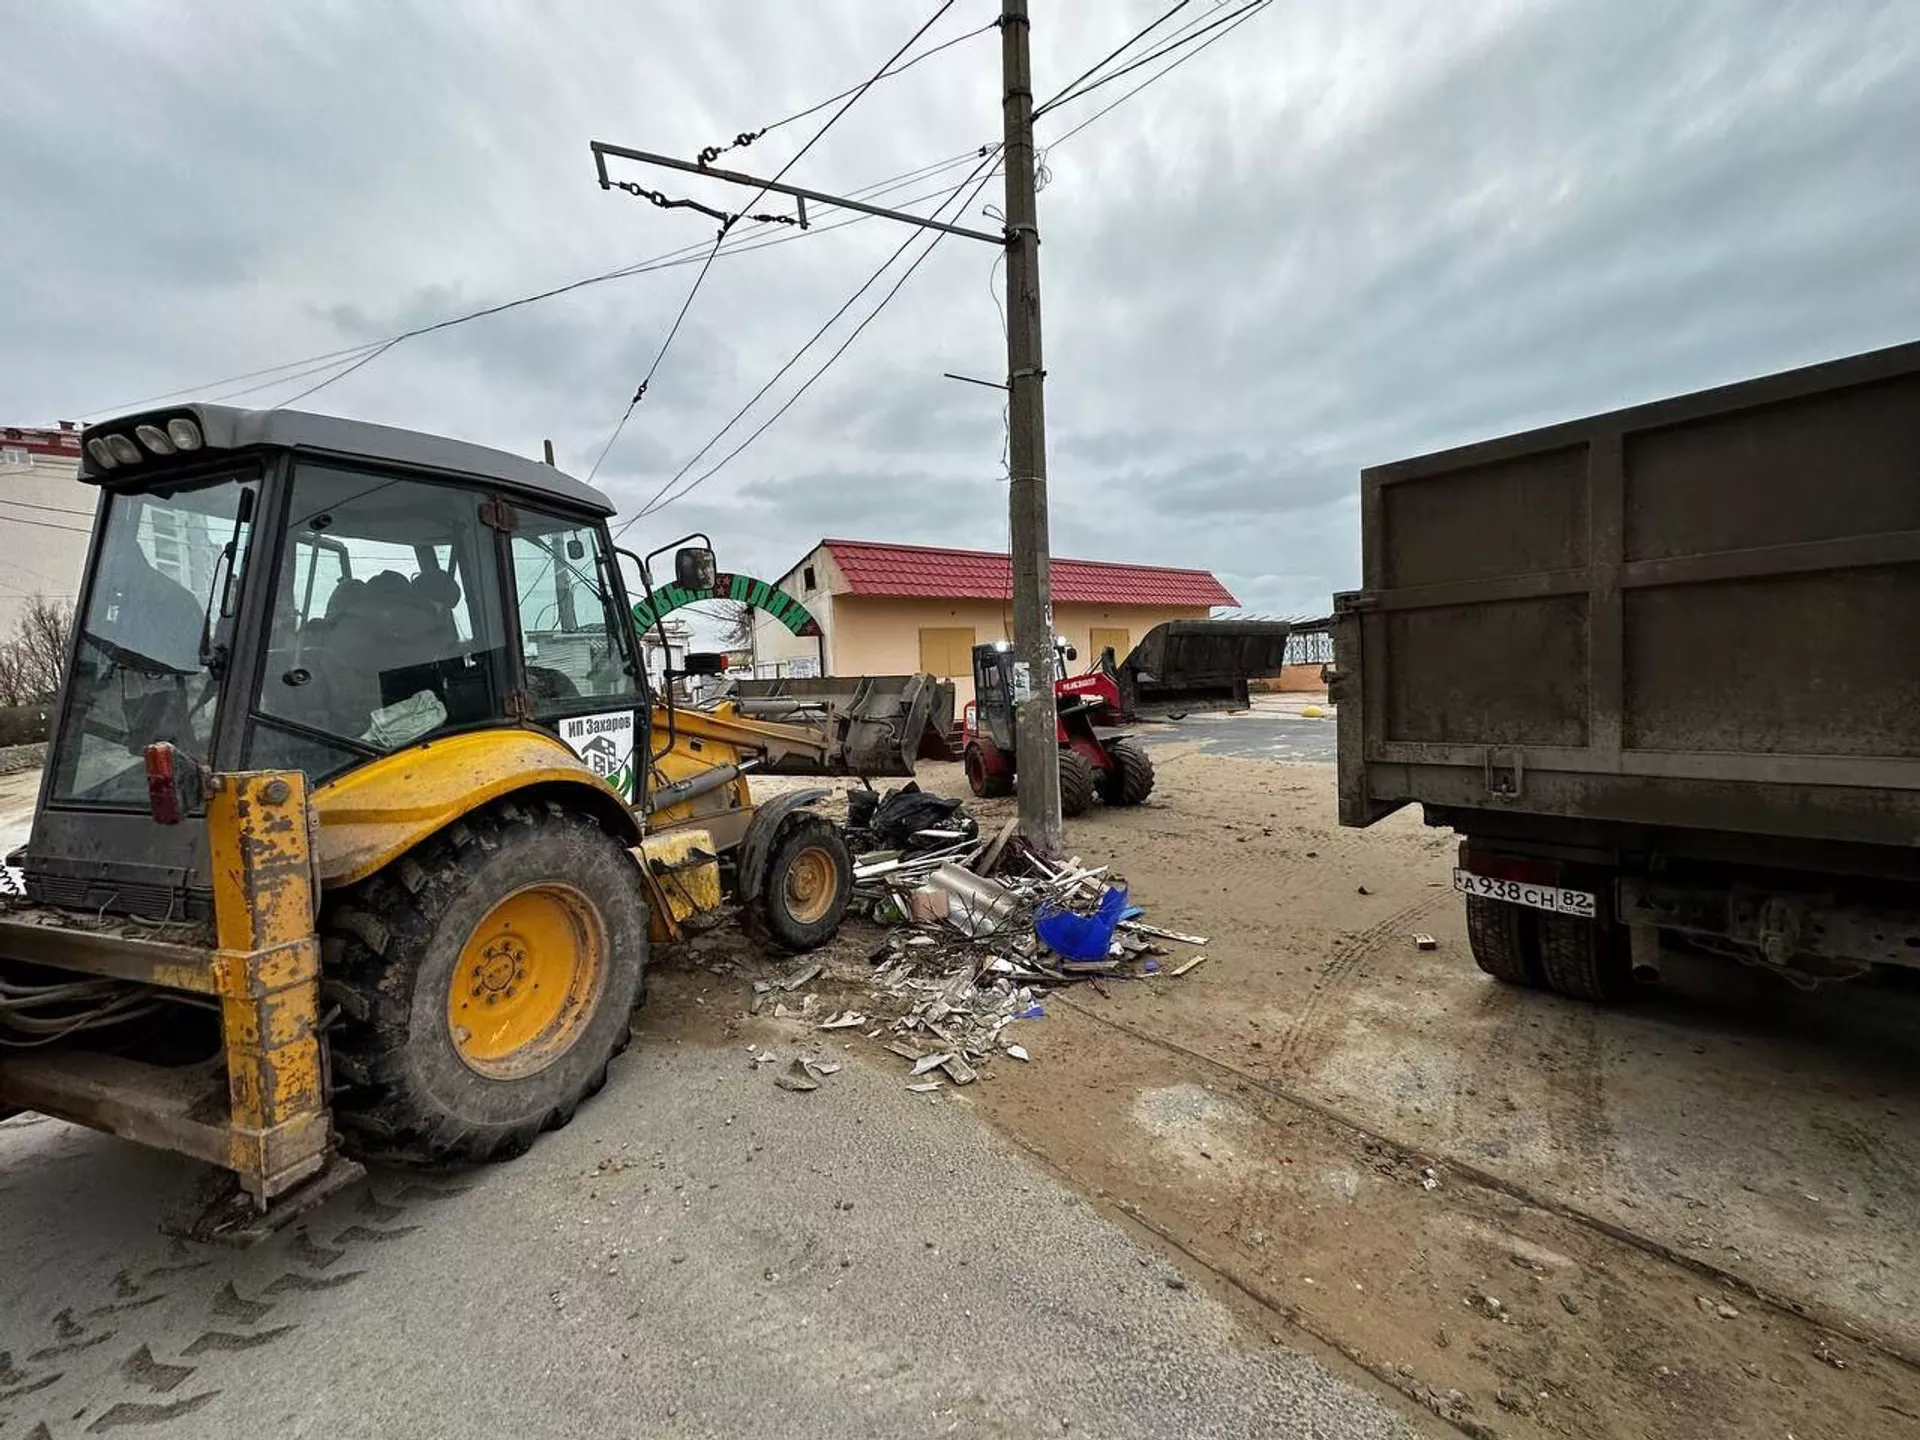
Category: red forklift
[1180,667]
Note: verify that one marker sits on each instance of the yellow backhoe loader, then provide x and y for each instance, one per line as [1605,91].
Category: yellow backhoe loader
[359,814]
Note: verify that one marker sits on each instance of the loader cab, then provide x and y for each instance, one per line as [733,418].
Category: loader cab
[276,590]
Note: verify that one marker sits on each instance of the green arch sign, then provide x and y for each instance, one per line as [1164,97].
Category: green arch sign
[742,588]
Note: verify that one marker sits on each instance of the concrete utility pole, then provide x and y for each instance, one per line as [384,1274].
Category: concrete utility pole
[1036,749]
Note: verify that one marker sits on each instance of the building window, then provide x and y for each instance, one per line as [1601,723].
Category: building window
[947,652]
[808,583]
[1119,641]
[15,456]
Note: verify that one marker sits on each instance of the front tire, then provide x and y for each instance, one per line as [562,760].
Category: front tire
[1130,780]
[483,982]
[805,891]
[1076,783]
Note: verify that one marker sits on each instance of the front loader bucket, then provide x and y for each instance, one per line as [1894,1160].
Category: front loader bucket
[878,724]
[1187,665]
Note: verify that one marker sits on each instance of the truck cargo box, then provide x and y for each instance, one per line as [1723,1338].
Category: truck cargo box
[1702,613]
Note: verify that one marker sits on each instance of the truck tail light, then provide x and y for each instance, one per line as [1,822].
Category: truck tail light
[1509,867]
[171,783]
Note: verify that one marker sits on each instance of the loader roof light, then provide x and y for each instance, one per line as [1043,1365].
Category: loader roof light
[154,438]
[184,434]
[124,450]
[1003,646]
[101,452]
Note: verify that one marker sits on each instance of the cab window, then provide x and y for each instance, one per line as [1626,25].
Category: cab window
[380,629]
[575,639]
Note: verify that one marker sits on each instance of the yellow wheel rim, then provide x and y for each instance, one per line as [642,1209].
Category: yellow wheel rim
[811,883]
[528,981]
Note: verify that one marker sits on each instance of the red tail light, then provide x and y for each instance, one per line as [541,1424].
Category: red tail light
[1509,867]
[164,799]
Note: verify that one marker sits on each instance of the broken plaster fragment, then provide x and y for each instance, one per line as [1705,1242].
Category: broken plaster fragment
[795,1077]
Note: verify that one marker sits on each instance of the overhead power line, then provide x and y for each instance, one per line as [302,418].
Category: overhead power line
[1118,50]
[1089,87]
[1220,29]
[825,365]
[726,224]
[1126,95]
[746,240]
[739,142]
[656,502]
[45,524]
[50,509]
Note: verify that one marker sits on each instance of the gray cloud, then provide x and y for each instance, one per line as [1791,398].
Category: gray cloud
[1344,235]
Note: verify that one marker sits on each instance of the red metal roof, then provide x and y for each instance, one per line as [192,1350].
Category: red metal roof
[926,570]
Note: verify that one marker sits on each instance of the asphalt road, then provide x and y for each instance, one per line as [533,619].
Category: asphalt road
[699,1254]
[1261,734]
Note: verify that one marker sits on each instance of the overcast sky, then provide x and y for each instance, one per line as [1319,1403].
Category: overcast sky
[1346,234]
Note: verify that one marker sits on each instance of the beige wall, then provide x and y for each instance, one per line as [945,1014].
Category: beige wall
[774,644]
[45,516]
[878,635]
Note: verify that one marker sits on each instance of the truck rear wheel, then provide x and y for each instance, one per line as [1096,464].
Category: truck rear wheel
[483,984]
[1503,941]
[1130,779]
[1585,959]
[1076,783]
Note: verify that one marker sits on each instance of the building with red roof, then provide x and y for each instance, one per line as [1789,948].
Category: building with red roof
[892,609]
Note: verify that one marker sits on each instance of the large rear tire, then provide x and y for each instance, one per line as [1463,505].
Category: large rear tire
[808,882]
[1585,959]
[1502,939]
[988,781]
[1130,779]
[1076,783]
[483,983]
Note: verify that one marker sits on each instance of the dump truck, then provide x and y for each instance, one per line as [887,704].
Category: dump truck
[358,817]
[1656,669]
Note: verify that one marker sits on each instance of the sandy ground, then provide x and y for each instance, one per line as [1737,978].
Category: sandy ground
[1690,1216]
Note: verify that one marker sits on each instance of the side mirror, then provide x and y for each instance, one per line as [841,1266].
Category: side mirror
[1072,654]
[704,662]
[576,550]
[694,568]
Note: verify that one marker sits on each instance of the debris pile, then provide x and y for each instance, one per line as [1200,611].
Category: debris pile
[981,930]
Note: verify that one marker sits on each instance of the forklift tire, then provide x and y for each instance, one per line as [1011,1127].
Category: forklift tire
[1503,942]
[986,782]
[1130,780]
[808,882]
[1585,959]
[482,984]
[1076,783]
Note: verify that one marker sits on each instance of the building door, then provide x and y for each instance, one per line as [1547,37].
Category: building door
[1099,638]
[947,652]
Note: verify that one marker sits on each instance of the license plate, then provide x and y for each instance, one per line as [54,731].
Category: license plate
[1518,892]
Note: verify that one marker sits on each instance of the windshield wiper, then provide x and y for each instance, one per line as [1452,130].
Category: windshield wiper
[212,652]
